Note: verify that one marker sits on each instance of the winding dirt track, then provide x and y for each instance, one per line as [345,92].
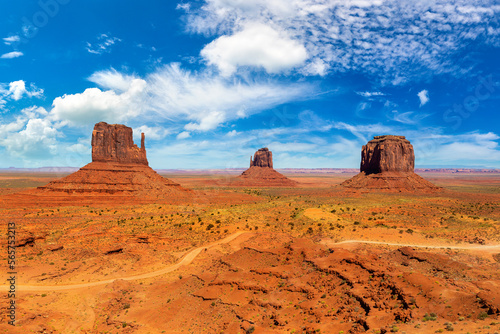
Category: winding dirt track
[465,247]
[188,258]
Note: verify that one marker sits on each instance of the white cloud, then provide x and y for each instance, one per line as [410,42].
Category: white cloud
[13,54]
[232,133]
[370,94]
[207,122]
[151,132]
[256,45]
[11,39]
[408,117]
[16,90]
[473,148]
[113,80]
[31,135]
[183,135]
[206,100]
[102,45]
[202,100]
[94,105]
[424,97]
[397,40]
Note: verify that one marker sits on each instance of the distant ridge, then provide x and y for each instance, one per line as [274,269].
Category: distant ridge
[240,170]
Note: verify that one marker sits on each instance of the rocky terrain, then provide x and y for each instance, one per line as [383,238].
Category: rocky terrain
[388,163]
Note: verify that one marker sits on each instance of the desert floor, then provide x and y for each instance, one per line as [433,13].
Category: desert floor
[311,259]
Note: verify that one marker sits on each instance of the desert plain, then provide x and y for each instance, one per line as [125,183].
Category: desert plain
[313,258]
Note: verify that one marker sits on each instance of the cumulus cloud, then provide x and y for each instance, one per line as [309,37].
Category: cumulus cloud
[102,44]
[16,90]
[424,97]
[395,40]
[11,55]
[94,105]
[256,45]
[202,100]
[31,135]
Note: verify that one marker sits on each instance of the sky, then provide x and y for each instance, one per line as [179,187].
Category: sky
[211,81]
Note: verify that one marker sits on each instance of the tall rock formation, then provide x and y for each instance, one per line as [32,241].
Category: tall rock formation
[262,158]
[387,154]
[261,173]
[388,163]
[114,143]
[118,167]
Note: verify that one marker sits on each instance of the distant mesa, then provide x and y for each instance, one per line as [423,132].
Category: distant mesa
[388,163]
[262,158]
[261,172]
[118,167]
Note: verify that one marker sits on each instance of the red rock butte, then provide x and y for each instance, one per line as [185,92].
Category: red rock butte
[118,167]
[261,172]
[388,163]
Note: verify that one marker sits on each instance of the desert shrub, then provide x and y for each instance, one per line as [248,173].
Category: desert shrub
[482,315]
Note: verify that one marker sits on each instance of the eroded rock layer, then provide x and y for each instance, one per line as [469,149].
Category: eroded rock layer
[387,154]
[113,178]
[263,177]
[261,173]
[114,143]
[262,158]
[118,167]
[388,163]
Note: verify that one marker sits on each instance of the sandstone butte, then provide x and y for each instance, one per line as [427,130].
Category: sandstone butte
[388,163]
[118,167]
[261,172]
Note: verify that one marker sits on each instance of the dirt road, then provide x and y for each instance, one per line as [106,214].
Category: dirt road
[189,257]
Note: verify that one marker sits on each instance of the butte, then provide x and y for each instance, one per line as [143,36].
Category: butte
[261,172]
[118,167]
[388,163]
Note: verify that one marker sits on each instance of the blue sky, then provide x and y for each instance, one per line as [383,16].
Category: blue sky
[211,81]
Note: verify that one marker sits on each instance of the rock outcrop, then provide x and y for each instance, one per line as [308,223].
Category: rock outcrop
[114,143]
[261,173]
[387,154]
[388,163]
[118,167]
[262,158]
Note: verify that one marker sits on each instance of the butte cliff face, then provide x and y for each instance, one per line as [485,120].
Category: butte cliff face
[262,158]
[387,163]
[114,143]
[261,173]
[387,154]
[118,167]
